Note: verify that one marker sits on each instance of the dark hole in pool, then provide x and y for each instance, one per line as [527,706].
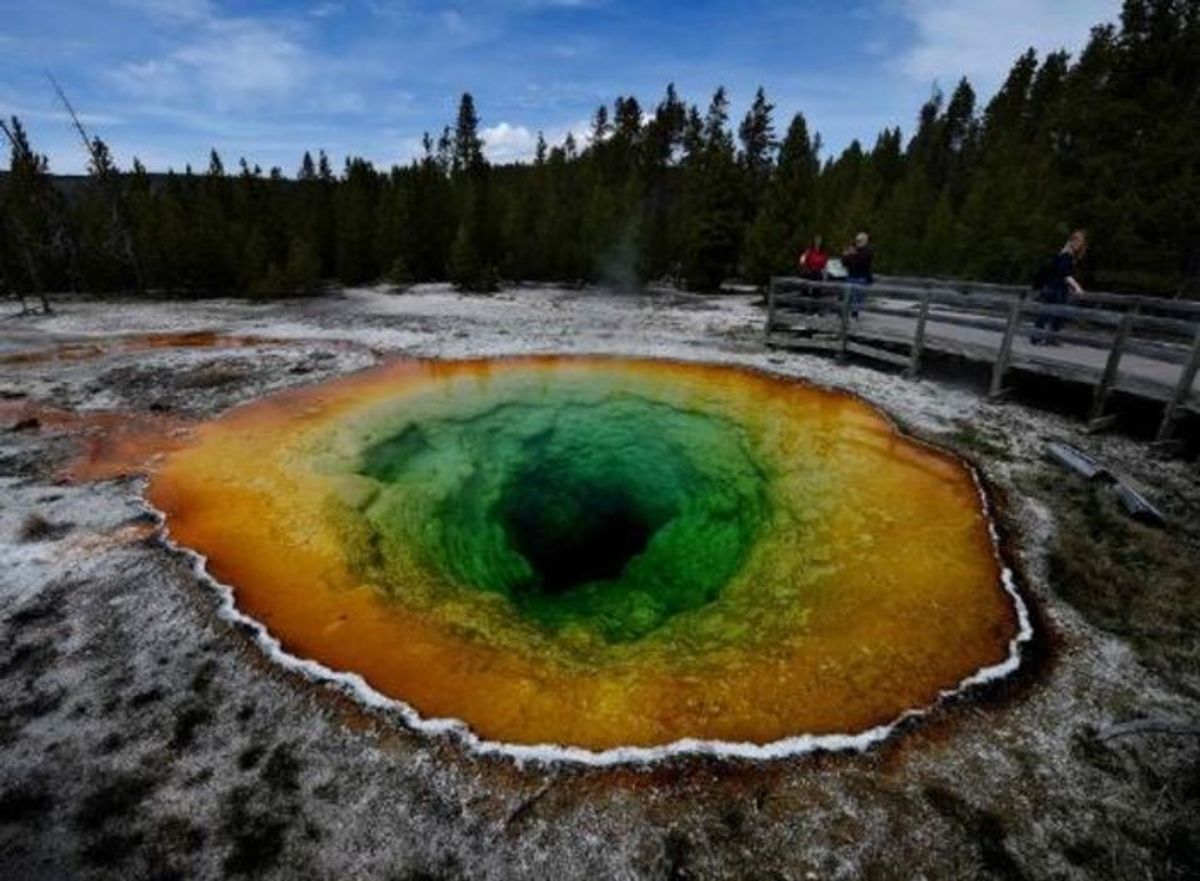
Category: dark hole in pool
[573,533]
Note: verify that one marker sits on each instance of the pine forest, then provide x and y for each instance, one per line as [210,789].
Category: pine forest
[1108,141]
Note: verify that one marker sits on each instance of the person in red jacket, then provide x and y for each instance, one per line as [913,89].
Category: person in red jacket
[813,261]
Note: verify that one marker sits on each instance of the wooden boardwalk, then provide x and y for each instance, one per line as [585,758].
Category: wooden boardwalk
[1145,346]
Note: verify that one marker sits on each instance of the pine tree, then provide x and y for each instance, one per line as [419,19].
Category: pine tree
[466,269]
[216,168]
[308,169]
[472,254]
[600,127]
[140,200]
[32,218]
[757,156]
[302,272]
[715,215]
[210,258]
[468,146]
[98,265]
[661,143]
[1001,210]
[786,217]
[354,211]
[256,272]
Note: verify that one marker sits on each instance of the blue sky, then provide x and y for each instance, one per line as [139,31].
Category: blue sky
[166,80]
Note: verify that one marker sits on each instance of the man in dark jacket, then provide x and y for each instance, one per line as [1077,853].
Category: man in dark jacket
[857,260]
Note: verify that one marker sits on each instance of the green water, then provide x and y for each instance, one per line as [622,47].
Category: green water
[610,514]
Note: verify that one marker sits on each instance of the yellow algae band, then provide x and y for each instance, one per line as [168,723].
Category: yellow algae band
[603,554]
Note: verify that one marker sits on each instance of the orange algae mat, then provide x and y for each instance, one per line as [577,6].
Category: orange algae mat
[601,553]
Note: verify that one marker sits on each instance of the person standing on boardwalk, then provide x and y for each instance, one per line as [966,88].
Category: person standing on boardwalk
[813,261]
[1056,284]
[857,259]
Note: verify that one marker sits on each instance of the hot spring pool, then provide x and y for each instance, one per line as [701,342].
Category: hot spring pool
[603,553]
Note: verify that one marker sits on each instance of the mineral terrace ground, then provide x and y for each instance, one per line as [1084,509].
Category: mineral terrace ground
[142,736]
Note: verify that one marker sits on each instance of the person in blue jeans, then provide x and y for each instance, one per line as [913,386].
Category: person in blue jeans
[857,260]
[1058,287]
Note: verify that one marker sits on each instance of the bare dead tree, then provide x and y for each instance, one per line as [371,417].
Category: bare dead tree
[110,182]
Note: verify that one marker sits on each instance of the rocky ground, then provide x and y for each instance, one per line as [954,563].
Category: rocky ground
[143,736]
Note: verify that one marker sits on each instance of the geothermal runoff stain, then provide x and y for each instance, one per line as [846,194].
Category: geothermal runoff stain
[602,553]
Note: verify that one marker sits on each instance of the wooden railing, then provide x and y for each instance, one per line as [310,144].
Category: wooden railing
[1165,332]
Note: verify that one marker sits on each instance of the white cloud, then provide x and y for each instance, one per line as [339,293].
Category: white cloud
[25,112]
[156,79]
[180,10]
[580,130]
[508,143]
[224,63]
[505,142]
[327,9]
[241,61]
[982,38]
[560,4]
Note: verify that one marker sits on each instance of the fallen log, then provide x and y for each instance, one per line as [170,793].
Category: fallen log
[1149,726]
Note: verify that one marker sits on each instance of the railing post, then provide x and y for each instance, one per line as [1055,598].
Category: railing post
[1100,396]
[1188,376]
[845,322]
[1004,354]
[918,346]
[770,308]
